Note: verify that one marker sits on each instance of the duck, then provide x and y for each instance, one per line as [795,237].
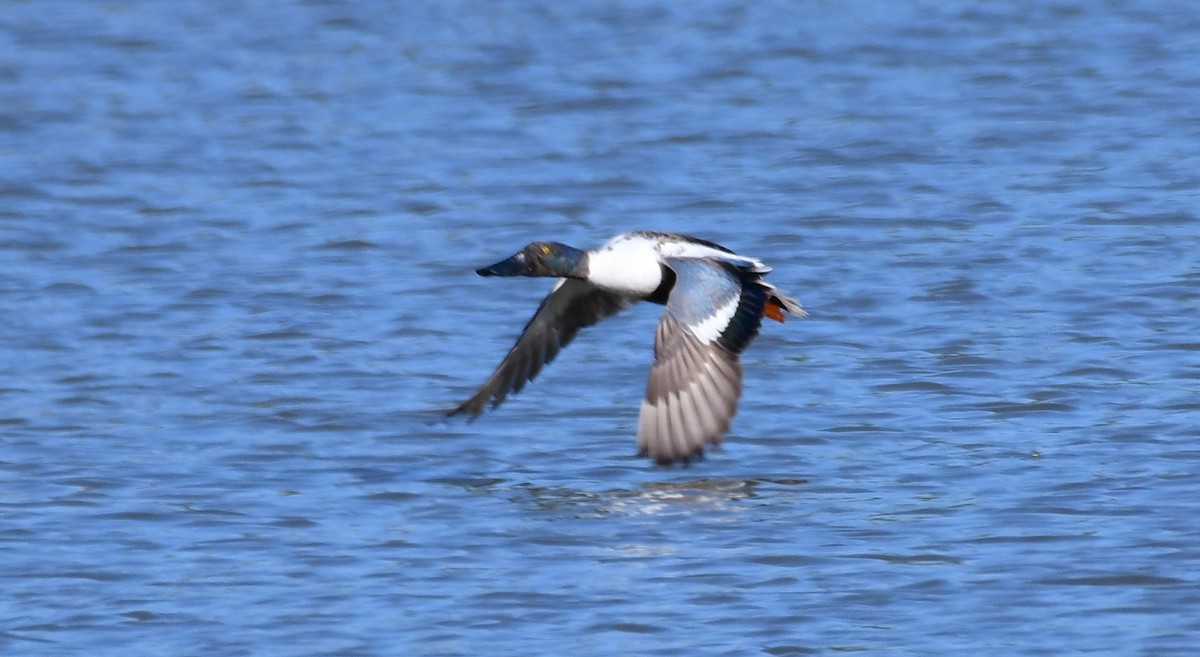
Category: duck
[713,299]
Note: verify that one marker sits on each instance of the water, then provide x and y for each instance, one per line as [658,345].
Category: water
[236,254]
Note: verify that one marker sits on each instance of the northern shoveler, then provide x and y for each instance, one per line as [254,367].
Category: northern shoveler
[714,303]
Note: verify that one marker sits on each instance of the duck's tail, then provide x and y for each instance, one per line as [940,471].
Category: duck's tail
[778,304]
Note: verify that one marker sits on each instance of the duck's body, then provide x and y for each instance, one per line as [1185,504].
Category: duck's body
[715,301]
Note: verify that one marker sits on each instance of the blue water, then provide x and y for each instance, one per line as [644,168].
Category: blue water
[237,244]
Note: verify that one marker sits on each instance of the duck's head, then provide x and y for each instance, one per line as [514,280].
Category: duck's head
[542,259]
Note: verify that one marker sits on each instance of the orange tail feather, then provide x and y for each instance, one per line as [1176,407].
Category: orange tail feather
[773,311]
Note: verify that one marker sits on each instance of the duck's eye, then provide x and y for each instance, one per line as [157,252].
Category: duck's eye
[545,249]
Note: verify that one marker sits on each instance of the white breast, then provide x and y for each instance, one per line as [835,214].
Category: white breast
[629,264]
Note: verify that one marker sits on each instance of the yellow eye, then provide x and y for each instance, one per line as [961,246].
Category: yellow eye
[545,250]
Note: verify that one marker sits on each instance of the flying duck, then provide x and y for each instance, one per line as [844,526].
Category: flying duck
[714,303]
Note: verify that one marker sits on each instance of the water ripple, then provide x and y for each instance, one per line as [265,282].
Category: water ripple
[237,252]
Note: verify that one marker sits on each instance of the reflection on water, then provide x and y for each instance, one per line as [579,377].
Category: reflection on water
[699,496]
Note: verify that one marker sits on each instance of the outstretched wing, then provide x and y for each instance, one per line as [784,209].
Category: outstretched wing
[572,304]
[713,312]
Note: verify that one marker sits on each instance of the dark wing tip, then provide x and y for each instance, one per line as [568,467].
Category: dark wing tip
[572,305]
[670,459]
[487,397]
[467,408]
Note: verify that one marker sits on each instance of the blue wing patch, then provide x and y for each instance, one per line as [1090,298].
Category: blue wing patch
[704,286]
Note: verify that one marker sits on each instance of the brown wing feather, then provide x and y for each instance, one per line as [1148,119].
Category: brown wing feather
[691,397]
[572,305]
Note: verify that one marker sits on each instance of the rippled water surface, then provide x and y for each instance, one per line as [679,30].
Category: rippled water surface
[237,244]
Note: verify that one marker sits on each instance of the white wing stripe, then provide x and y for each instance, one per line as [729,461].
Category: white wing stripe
[710,329]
